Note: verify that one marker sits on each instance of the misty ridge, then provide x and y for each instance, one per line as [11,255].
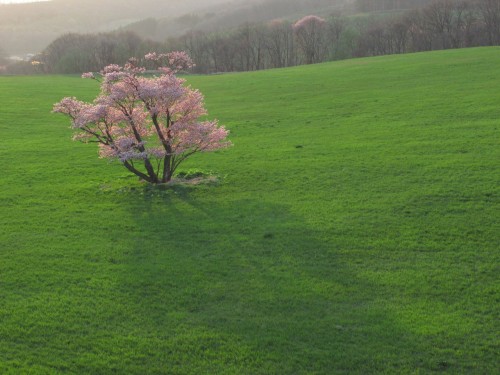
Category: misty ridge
[30,27]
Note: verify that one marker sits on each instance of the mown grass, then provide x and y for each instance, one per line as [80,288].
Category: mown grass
[354,229]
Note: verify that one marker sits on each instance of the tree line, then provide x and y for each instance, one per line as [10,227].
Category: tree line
[441,24]
[78,53]
[388,5]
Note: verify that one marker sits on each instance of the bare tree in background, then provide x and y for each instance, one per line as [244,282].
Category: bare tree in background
[464,20]
[336,27]
[399,30]
[249,42]
[280,44]
[221,51]
[438,18]
[469,23]
[490,14]
[195,43]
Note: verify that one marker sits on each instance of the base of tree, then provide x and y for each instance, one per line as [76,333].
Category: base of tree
[192,181]
[204,180]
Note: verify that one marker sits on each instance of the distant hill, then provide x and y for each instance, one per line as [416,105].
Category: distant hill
[30,27]
[242,11]
[234,14]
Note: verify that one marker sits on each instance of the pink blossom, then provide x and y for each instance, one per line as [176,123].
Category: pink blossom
[135,69]
[189,107]
[112,77]
[200,136]
[90,114]
[179,60]
[165,89]
[275,23]
[166,70]
[111,68]
[152,56]
[173,61]
[69,106]
[307,21]
[88,75]
[145,119]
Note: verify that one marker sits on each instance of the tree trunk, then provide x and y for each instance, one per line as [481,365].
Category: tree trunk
[138,173]
[167,169]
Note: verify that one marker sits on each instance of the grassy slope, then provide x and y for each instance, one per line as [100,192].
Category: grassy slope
[371,248]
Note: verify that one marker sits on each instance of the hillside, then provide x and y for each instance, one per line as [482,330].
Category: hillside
[354,229]
[31,27]
[237,13]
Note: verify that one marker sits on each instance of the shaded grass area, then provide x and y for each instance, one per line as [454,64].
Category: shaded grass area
[354,229]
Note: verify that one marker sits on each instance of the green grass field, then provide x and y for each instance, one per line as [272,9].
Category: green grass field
[354,229]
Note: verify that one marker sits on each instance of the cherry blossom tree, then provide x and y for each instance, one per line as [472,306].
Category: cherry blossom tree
[310,32]
[149,124]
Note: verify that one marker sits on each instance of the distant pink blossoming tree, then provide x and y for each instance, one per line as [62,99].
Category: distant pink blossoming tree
[310,33]
[148,123]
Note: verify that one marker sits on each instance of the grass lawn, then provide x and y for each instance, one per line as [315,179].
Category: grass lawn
[354,229]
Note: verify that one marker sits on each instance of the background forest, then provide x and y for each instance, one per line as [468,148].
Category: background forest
[225,36]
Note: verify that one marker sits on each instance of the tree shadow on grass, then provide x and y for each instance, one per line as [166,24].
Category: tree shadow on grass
[247,287]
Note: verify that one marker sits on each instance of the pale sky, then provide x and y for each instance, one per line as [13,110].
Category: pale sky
[19,1]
